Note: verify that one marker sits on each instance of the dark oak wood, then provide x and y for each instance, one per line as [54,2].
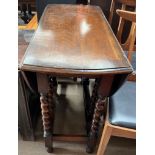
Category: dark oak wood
[24,38]
[77,41]
[104,88]
[93,101]
[75,38]
[45,87]
[99,109]
[86,96]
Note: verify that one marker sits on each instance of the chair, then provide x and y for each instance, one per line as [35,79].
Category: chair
[121,112]
[129,44]
[125,3]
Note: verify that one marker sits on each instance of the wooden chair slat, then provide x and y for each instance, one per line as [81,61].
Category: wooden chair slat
[127,15]
[120,26]
[111,11]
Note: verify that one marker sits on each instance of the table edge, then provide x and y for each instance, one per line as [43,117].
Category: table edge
[76,72]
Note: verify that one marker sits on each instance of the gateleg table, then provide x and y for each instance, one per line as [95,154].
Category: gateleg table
[75,41]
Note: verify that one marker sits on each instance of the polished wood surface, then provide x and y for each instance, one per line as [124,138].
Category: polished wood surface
[21,49]
[74,39]
[22,46]
[24,37]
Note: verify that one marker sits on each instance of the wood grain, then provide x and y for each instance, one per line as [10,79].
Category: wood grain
[72,38]
[24,37]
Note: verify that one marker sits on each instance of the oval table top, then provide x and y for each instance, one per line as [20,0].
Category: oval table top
[74,39]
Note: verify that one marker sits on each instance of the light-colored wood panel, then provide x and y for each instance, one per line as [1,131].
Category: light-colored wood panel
[123,132]
[32,25]
[127,15]
[107,131]
[21,27]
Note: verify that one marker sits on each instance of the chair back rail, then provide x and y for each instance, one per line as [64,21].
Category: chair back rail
[124,3]
[129,45]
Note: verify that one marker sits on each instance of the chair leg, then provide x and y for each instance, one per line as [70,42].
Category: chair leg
[106,134]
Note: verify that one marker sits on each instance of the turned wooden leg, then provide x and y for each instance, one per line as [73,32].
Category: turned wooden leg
[98,111]
[94,97]
[92,104]
[75,79]
[46,121]
[53,84]
[86,96]
[104,90]
[85,81]
[47,108]
[51,91]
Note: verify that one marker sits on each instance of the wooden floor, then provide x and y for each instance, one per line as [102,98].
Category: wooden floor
[32,25]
